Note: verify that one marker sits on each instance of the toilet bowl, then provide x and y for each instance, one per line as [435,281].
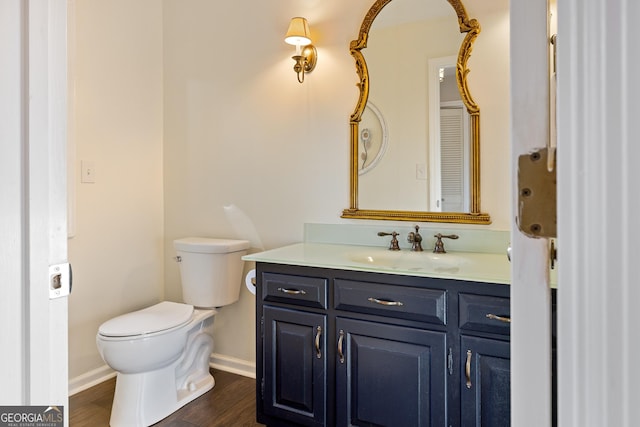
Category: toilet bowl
[160,368]
[161,353]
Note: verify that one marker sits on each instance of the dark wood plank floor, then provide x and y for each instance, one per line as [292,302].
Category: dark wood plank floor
[231,403]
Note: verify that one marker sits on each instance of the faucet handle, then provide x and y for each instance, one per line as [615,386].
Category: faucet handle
[393,245]
[439,246]
[446,236]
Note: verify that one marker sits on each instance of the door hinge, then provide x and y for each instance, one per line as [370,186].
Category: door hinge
[537,194]
[262,389]
[450,361]
[262,326]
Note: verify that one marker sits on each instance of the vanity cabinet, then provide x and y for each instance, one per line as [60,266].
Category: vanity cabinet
[389,375]
[485,362]
[486,387]
[294,386]
[349,348]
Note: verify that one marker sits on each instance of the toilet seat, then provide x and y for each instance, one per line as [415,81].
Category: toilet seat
[160,317]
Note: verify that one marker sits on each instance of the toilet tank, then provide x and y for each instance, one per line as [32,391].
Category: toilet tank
[210,270]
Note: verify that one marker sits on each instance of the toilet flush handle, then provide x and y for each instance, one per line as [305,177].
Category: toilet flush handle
[178,258]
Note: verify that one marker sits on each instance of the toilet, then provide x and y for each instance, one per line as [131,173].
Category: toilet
[161,353]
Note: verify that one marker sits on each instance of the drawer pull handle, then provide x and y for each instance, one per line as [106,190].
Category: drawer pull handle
[340,341]
[385,302]
[318,334]
[467,369]
[292,291]
[500,318]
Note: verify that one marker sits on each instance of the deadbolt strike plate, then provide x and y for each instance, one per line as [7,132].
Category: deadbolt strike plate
[537,195]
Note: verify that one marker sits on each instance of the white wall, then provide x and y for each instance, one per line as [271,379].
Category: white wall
[117,249]
[240,129]
[188,106]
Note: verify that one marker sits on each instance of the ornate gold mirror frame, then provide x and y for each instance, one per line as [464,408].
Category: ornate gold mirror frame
[472,28]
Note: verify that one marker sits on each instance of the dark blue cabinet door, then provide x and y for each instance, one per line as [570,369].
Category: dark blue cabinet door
[486,382]
[295,365]
[389,375]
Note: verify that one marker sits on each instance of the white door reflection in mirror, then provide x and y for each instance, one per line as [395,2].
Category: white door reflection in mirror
[449,140]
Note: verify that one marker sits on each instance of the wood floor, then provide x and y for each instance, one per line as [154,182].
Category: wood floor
[231,403]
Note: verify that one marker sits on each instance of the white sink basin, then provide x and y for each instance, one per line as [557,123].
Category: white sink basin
[411,261]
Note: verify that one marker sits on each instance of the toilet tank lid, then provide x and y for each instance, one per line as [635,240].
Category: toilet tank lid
[160,317]
[210,245]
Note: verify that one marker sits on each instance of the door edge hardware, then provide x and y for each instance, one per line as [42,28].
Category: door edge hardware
[60,280]
[537,195]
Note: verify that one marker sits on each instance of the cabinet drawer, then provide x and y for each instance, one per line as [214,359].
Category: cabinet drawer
[424,305]
[485,313]
[299,290]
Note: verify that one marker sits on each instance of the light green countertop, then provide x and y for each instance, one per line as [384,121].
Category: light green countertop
[469,266]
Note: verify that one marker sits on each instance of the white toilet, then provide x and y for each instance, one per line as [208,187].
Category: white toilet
[161,353]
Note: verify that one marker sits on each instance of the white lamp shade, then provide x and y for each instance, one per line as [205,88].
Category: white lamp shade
[298,33]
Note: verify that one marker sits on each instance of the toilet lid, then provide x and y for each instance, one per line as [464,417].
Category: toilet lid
[159,317]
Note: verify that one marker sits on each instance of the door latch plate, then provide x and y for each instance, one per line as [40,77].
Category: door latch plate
[59,280]
[537,191]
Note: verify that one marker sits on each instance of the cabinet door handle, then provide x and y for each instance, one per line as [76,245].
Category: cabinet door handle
[340,342]
[318,334]
[384,301]
[292,291]
[500,318]
[467,369]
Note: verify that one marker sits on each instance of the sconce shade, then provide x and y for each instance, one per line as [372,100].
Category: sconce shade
[298,33]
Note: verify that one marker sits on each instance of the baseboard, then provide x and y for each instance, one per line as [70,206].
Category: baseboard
[216,361]
[233,365]
[89,379]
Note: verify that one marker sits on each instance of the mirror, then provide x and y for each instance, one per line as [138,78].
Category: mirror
[415,142]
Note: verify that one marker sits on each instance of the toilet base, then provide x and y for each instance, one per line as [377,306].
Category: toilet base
[130,411]
[145,398]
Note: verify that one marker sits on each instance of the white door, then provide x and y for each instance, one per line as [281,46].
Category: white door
[33,227]
[598,205]
[530,292]
[454,158]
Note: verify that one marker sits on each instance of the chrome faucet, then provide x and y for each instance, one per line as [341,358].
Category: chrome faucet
[439,247]
[393,245]
[416,240]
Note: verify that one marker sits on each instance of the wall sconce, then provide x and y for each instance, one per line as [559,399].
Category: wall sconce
[306,54]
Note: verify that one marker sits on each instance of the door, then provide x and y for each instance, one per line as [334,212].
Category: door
[389,375]
[598,205]
[530,292]
[295,359]
[486,383]
[454,158]
[33,194]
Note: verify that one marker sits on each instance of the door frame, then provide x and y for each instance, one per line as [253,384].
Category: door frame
[34,193]
[530,291]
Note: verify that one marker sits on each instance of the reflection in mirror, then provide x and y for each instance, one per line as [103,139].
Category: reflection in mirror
[373,138]
[416,57]
[449,140]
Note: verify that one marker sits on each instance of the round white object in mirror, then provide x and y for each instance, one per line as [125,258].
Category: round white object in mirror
[373,139]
